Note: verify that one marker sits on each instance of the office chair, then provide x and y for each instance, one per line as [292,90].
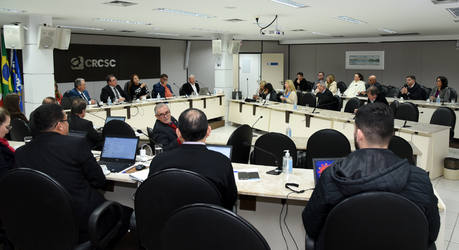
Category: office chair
[126,88]
[309,98]
[326,143]
[452,94]
[407,111]
[275,143]
[150,136]
[160,195]
[19,130]
[394,106]
[392,91]
[424,93]
[240,152]
[181,92]
[38,213]
[338,103]
[402,148]
[117,127]
[444,116]
[299,97]
[199,226]
[384,90]
[352,104]
[341,86]
[377,221]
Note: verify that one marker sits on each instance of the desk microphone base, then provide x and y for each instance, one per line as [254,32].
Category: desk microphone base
[275,172]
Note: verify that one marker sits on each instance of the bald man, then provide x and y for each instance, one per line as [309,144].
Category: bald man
[371,82]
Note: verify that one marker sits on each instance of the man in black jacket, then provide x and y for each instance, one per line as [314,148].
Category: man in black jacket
[301,84]
[411,90]
[374,95]
[165,127]
[191,86]
[372,167]
[324,96]
[77,123]
[113,90]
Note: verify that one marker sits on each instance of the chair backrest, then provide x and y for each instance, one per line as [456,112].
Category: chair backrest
[150,136]
[309,98]
[206,227]
[126,88]
[407,111]
[36,211]
[392,91]
[394,106]
[66,93]
[19,130]
[445,116]
[376,220]
[181,92]
[163,193]
[299,96]
[384,90]
[275,143]
[424,93]
[66,102]
[117,127]
[326,143]
[240,152]
[401,148]
[338,103]
[352,104]
[452,94]
[341,86]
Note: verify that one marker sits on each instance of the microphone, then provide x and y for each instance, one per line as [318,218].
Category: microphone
[322,105]
[95,115]
[257,121]
[204,87]
[276,171]
[177,87]
[141,132]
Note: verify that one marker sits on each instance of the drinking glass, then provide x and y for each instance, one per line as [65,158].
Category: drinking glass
[453,101]
[158,149]
[307,107]
[27,139]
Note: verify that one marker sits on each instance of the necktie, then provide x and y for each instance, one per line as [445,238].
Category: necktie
[117,95]
[84,97]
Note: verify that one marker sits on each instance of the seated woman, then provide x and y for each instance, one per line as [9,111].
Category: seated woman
[261,90]
[57,93]
[441,90]
[11,104]
[290,93]
[137,89]
[331,84]
[269,93]
[357,86]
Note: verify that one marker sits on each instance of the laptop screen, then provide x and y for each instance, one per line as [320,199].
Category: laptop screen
[123,148]
[226,150]
[109,118]
[319,165]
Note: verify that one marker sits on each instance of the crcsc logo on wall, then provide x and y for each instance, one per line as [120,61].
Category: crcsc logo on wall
[79,63]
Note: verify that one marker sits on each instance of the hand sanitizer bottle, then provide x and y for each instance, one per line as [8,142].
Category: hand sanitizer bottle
[287,167]
[158,97]
[288,132]
[295,106]
[438,100]
[109,101]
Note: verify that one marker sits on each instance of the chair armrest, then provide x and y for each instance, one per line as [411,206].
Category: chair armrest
[310,243]
[106,207]
[134,233]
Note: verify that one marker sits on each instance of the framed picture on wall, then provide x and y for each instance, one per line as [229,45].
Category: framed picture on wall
[365,60]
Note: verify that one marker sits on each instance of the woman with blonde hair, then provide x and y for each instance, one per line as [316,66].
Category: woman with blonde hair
[289,93]
[331,84]
[261,90]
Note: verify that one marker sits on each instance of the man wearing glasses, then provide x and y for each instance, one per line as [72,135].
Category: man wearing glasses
[164,132]
[162,88]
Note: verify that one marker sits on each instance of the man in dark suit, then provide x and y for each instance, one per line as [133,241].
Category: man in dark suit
[165,127]
[371,82]
[69,161]
[113,90]
[193,155]
[79,90]
[46,100]
[77,123]
[411,90]
[324,96]
[191,86]
[374,95]
[301,83]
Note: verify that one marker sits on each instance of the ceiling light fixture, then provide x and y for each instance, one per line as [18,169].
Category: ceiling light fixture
[162,34]
[81,28]
[319,33]
[290,3]
[120,21]
[453,11]
[12,10]
[120,3]
[183,12]
[218,31]
[387,30]
[348,19]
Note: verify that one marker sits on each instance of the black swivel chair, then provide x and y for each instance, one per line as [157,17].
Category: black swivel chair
[117,127]
[240,152]
[326,143]
[309,98]
[444,116]
[150,136]
[181,92]
[384,90]
[452,94]
[377,221]
[299,97]
[402,148]
[66,94]
[407,111]
[38,213]
[352,104]
[341,86]
[66,102]
[394,106]
[424,93]
[208,227]
[275,143]
[392,91]
[126,88]
[160,195]
[337,103]
[19,130]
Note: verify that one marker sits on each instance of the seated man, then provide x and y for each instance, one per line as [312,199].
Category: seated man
[113,90]
[374,95]
[191,86]
[162,88]
[165,127]
[324,96]
[69,161]
[372,167]
[301,83]
[411,90]
[46,100]
[79,90]
[371,82]
[193,155]
[77,123]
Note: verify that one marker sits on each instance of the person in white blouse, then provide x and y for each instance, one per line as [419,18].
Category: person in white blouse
[356,86]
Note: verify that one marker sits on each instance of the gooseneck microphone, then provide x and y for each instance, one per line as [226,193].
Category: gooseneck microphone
[322,105]
[141,132]
[277,170]
[177,87]
[257,121]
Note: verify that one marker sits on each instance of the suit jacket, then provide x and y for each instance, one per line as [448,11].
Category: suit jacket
[187,89]
[159,88]
[212,165]
[324,98]
[414,93]
[108,92]
[165,135]
[444,94]
[380,98]
[32,125]
[377,85]
[303,85]
[74,93]
[69,161]
[80,124]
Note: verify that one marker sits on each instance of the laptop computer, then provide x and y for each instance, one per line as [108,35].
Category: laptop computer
[109,118]
[118,152]
[203,91]
[319,165]
[226,150]
[81,134]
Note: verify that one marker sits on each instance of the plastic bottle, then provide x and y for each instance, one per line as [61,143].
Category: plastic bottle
[287,167]
[438,100]
[158,97]
[338,93]
[288,132]
[109,101]
[295,106]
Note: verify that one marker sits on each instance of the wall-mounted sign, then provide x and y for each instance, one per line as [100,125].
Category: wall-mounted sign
[273,64]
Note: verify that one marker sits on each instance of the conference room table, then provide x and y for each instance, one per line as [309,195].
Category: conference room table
[431,140]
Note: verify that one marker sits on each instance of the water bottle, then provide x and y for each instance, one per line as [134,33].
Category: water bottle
[295,106]
[158,97]
[338,93]
[288,132]
[438,100]
[109,101]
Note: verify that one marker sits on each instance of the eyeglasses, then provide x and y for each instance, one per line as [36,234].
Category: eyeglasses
[60,121]
[9,127]
[164,114]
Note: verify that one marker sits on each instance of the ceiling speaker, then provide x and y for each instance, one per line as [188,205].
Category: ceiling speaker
[14,36]
[62,39]
[233,47]
[216,46]
[46,37]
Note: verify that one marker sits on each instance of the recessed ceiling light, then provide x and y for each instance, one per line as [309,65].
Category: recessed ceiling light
[264,24]
[290,3]
[229,7]
[218,31]
[162,34]
[183,12]
[120,21]
[12,10]
[453,11]
[348,19]
[234,20]
[319,33]
[81,28]
[387,30]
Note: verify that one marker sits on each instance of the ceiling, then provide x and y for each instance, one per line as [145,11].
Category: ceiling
[428,20]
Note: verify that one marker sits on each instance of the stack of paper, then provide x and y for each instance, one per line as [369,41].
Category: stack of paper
[140,175]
